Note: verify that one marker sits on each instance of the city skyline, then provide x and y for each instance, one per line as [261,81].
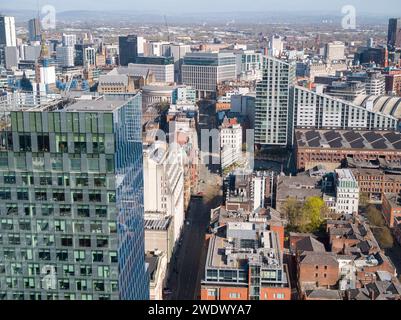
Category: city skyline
[209,6]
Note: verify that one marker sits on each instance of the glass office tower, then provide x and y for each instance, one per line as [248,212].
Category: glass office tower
[71,202]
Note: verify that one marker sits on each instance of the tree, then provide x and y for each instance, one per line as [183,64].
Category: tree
[374,216]
[385,238]
[292,208]
[307,217]
[363,199]
[312,212]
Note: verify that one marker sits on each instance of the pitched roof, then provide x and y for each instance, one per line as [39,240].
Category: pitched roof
[310,244]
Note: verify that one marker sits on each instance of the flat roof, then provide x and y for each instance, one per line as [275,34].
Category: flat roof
[95,105]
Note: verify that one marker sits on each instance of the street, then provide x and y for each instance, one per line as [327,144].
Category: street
[187,265]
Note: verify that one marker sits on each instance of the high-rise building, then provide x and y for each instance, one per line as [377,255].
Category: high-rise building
[11,57]
[334,51]
[230,143]
[72,202]
[65,56]
[314,110]
[164,184]
[347,192]
[394,33]
[273,117]
[34,29]
[178,52]
[128,48]
[69,40]
[7,32]
[89,56]
[203,71]
[80,54]
[276,45]
[161,67]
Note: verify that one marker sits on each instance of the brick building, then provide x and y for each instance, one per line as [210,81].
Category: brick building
[391,208]
[245,262]
[334,149]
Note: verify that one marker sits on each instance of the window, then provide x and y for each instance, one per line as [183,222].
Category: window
[103,272]
[113,257]
[44,255]
[79,255]
[101,242]
[66,241]
[9,178]
[83,211]
[98,285]
[86,270]
[234,295]
[58,195]
[279,296]
[77,195]
[94,196]
[25,142]
[59,225]
[81,285]
[43,143]
[97,256]
[22,194]
[212,292]
[85,241]
[101,212]
[96,227]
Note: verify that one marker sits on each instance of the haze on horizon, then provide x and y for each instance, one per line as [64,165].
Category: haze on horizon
[385,7]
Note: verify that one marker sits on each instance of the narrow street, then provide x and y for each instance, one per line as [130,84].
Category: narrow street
[187,265]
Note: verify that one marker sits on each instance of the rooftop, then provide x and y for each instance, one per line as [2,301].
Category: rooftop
[348,139]
[95,106]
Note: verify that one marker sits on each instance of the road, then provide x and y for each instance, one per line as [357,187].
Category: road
[188,263]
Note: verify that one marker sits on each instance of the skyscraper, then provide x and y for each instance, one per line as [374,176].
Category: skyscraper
[34,29]
[72,202]
[7,32]
[273,117]
[394,33]
[128,49]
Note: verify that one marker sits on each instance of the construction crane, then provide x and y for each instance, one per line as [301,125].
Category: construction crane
[167,28]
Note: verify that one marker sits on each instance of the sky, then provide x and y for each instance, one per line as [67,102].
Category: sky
[383,7]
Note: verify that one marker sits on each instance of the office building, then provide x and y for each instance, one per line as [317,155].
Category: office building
[245,262]
[128,49]
[11,57]
[203,71]
[334,51]
[31,52]
[83,55]
[230,143]
[164,183]
[65,56]
[273,114]
[69,40]
[72,202]
[89,58]
[347,91]
[375,81]
[347,192]
[276,46]
[34,29]
[7,32]
[394,33]
[178,52]
[161,67]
